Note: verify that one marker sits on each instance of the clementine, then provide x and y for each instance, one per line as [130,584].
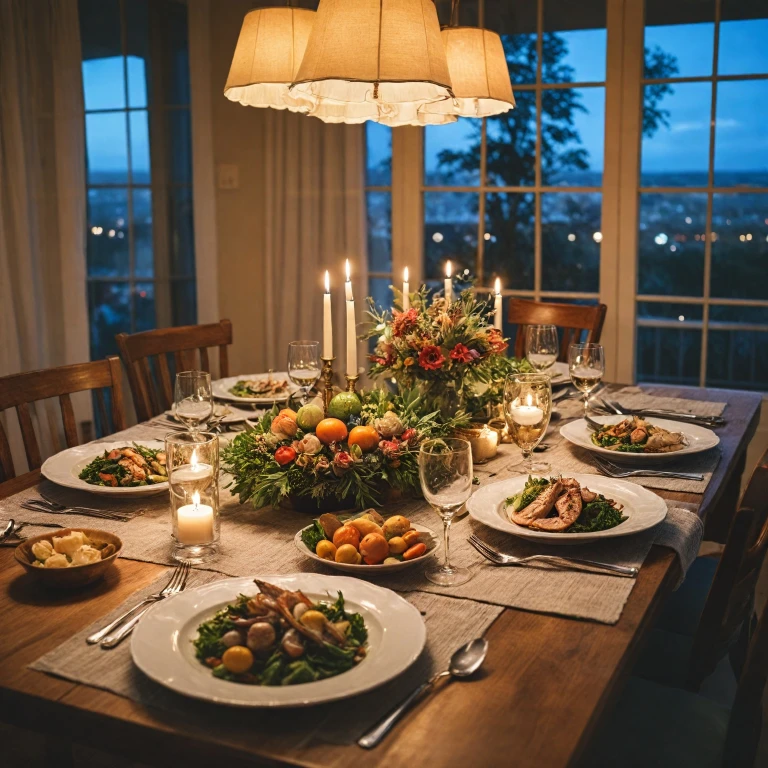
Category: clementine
[331,431]
[366,437]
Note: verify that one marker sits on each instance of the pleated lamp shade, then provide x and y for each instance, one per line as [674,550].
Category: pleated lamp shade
[373,60]
[479,74]
[267,57]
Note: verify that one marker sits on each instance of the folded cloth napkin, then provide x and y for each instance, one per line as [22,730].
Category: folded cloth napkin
[682,530]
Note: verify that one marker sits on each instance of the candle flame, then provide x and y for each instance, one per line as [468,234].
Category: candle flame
[196,498]
[327,282]
[448,269]
[405,275]
[193,458]
[529,400]
[348,272]
[497,286]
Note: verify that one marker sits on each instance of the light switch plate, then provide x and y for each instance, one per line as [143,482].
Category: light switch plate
[228,176]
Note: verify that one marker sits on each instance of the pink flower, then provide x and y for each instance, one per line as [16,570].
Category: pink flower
[342,462]
[410,437]
[310,444]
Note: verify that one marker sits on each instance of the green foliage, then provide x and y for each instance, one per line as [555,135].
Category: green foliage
[598,515]
[313,535]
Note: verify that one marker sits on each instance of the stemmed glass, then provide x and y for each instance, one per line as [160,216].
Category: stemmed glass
[193,400]
[304,366]
[541,346]
[445,471]
[527,409]
[586,363]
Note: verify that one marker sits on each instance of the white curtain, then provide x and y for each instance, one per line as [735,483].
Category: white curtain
[43,306]
[314,206]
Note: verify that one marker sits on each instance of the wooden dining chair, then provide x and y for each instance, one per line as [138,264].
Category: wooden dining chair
[572,319]
[654,725]
[21,389]
[146,358]
[712,615]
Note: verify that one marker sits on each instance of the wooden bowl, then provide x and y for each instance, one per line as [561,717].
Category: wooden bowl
[75,576]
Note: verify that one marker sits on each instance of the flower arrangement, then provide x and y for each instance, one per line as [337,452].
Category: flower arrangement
[446,350]
[330,462]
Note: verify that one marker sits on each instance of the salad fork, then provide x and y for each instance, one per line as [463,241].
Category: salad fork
[54,508]
[113,634]
[609,469]
[499,558]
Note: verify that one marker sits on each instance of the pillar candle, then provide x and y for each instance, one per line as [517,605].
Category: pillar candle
[327,322]
[351,338]
[195,523]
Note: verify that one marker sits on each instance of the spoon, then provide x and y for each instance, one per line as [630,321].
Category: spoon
[8,530]
[465,661]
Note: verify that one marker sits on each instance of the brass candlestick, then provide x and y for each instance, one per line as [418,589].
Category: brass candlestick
[351,381]
[328,381]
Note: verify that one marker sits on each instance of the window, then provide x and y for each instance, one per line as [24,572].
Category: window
[378,199]
[702,294]
[140,245]
[633,171]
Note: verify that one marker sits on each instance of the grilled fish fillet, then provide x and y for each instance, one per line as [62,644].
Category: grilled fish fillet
[541,506]
[568,509]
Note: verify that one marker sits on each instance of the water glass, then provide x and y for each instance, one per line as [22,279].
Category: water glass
[541,346]
[445,471]
[527,410]
[193,400]
[304,366]
[193,478]
[586,364]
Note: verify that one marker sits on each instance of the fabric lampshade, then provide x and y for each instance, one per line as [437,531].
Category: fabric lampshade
[479,74]
[373,60]
[267,57]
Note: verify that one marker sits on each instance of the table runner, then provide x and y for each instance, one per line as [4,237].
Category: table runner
[450,624]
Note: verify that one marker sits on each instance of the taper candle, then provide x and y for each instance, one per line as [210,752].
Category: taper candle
[497,311]
[351,337]
[406,290]
[327,321]
[448,282]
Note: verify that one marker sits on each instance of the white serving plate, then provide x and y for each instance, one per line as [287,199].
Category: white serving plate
[162,642]
[699,439]
[643,508]
[63,468]
[220,388]
[431,540]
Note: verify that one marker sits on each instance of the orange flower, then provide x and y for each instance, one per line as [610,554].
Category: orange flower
[431,358]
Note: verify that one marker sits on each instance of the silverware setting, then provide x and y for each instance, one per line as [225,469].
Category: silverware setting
[10,536]
[52,507]
[612,406]
[499,558]
[116,631]
[464,662]
[609,469]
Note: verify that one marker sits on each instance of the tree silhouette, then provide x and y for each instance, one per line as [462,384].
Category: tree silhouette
[570,249]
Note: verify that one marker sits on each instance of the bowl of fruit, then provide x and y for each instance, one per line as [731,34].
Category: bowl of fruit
[366,542]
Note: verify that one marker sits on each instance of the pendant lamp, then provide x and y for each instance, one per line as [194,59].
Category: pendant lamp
[374,60]
[479,73]
[267,57]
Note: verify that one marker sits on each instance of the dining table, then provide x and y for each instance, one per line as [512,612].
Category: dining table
[537,701]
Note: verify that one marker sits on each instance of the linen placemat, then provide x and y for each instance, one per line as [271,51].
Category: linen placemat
[450,623]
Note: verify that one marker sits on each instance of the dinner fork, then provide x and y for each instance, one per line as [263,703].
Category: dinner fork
[609,469]
[114,633]
[53,508]
[499,558]
[666,413]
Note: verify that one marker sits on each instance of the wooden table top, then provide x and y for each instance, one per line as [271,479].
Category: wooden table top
[545,685]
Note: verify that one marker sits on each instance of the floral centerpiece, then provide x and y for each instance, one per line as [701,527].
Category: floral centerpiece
[331,463]
[446,350]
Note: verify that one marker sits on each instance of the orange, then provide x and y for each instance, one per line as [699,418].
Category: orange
[366,437]
[331,431]
[374,548]
[347,534]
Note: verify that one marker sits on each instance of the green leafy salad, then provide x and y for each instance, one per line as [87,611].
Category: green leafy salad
[281,637]
[127,467]
[259,387]
[562,505]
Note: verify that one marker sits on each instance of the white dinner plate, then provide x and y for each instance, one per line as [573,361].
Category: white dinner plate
[221,387]
[162,642]
[699,439]
[427,536]
[642,507]
[64,468]
[559,374]
[229,413]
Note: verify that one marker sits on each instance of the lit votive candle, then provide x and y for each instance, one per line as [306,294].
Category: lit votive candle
[526,415]
[195,523]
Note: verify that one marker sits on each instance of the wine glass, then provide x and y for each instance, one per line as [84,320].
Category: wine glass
[527,409]
[193,400]
[586,363]
[445,471]
[541,346]
[304,366]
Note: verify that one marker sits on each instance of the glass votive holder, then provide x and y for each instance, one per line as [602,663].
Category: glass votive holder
[192,459]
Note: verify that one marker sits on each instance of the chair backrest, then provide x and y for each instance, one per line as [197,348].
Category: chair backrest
[20,389]
[573,319]
[152,391]
[730,603]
